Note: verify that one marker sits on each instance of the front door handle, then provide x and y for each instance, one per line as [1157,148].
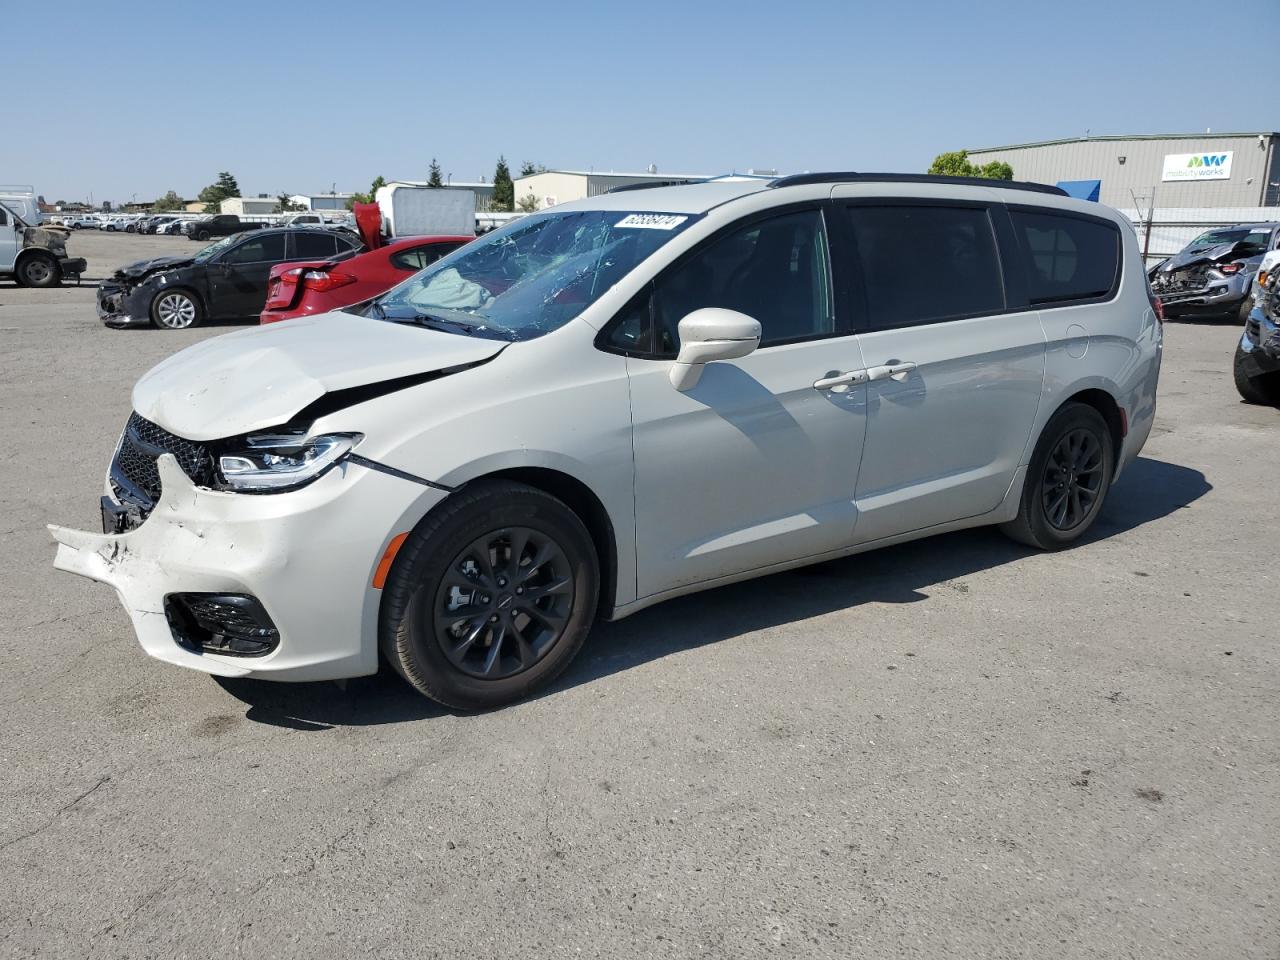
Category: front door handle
[841,380]
[891,371]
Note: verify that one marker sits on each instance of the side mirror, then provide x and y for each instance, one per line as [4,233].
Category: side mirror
[711,333]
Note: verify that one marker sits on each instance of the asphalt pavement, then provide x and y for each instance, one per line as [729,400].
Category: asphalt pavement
[952,748]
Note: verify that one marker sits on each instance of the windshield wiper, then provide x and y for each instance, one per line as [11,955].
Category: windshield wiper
[434,322]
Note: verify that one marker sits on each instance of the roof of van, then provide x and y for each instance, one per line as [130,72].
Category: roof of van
[701,197]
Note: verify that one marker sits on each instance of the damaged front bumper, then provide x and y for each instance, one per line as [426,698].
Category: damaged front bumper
[305,558]
[1204,293]
[122,306]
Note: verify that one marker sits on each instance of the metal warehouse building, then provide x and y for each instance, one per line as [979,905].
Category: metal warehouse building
[1185,169]
[550,187]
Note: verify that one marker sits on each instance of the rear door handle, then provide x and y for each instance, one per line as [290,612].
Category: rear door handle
[841,380]
[890,371]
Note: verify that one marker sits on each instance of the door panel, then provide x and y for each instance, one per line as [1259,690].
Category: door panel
[944,442]
[753,466]
[239,279]
[10,240]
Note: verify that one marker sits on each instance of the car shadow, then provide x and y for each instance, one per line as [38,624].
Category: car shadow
[1149,490]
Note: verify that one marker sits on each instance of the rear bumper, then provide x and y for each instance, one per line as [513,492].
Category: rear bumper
[307,557]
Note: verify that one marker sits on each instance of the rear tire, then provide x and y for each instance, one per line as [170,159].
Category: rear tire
[202,234]
[1067,481]
[1263,389]
[1242,312]
[38,270]
[490,597]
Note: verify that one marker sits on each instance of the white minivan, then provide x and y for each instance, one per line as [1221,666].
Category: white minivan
[621,400]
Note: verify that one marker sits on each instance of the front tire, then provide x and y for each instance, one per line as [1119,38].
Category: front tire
[490,597]
[39,270]
[202,234]
[1067,481]
[1263,389]
[175,310]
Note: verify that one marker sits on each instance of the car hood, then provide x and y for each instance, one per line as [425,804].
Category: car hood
[1223,252]
[135,271]
[261,378]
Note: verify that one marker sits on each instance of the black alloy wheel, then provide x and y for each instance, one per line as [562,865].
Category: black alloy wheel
[490,596]
[1072,479]
[1071,470]
[504,603]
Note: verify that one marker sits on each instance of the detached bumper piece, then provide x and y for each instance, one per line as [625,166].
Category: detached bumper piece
[231,624]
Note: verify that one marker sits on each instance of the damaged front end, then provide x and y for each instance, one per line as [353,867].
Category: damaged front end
[54,240]
[1213,280]
[124,299]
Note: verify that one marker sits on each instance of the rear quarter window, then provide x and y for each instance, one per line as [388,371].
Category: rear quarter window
[1069,259]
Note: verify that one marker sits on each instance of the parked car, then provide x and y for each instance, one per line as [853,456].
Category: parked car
[305,289]
[1256,366]
[86,222]
[221,225]
[175,226]
[620,400]
[225,280]
[1213,274]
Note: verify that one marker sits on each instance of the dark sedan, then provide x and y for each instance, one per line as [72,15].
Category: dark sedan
[225,280]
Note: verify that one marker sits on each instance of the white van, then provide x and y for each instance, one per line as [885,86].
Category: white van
[617,401]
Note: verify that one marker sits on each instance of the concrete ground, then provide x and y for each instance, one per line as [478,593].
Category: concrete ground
[954,748]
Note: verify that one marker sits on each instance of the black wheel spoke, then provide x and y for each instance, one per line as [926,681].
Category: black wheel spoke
[496,614]
[1073,478]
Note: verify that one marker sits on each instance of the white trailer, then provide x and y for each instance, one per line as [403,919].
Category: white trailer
[410,210]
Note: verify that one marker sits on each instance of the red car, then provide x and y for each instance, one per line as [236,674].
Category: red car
[308,288]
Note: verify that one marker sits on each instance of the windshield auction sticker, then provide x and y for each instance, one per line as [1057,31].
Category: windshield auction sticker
[650,221]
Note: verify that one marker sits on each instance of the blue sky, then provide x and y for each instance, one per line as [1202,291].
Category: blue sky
[146,97]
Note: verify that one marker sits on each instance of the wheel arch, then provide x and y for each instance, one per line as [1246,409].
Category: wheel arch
[1106,404]
[183,287]
[582,500]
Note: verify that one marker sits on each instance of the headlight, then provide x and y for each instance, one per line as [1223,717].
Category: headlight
[273,462]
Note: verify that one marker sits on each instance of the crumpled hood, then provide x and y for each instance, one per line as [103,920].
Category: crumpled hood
[261,377]
[1180,261]
[134,271]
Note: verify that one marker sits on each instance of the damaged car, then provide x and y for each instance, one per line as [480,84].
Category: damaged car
[617,401]
[1256,365]
[1213,274]
[35,256]
[226,280]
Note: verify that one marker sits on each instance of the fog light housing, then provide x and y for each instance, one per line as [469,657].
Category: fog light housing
[230,624]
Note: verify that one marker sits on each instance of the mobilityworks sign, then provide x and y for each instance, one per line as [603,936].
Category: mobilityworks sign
[1197,166]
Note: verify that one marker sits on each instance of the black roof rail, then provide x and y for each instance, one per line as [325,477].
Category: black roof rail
[647,184]
[851,177]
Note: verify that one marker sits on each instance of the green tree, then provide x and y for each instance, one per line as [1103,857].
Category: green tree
[529,168]
[213,195]
[528,203]
[285,205]
[433,176]
[504,191]
[371,197]
[956,164]
[170,201]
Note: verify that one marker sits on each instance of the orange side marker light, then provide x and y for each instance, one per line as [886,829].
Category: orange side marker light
[384,565]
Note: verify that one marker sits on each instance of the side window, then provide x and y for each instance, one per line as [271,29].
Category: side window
[774,270]
[923,264]
[4,217]
[1068,258]
[422,257]
[313,246]
[268,249]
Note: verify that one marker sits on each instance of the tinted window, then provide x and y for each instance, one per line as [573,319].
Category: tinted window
[313,246]
[926,264]
[774,270]
[257,250]
[420,257]
[4,217]
[1068,258]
